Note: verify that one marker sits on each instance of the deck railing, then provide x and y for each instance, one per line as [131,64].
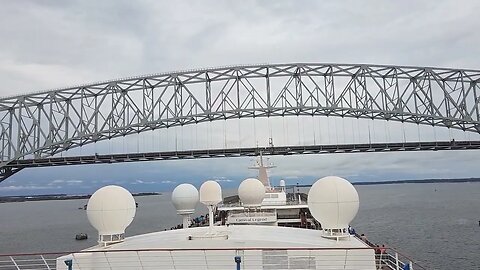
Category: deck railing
[29,261]
[250,258]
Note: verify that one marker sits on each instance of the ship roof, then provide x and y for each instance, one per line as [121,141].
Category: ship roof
[240,236]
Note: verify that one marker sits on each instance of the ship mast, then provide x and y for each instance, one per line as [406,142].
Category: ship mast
[262,171]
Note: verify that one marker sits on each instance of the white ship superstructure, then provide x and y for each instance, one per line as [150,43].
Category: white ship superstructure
[277,207]
[259,247]
[244,234]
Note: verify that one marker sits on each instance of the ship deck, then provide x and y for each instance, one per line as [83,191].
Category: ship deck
[239,236]
[258,247]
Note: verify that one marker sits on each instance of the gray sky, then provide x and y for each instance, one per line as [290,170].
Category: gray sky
[50,44]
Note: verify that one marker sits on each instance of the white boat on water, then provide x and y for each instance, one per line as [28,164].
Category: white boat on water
[265,227]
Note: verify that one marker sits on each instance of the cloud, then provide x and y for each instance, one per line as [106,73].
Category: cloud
[59,182]
[223,180]
[143,182]
[168,182]
[151,36]
[22,188]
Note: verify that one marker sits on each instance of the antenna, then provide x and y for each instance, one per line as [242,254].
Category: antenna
[333,201]
[251,192]
[282,185]
[262,171]
[210,195]
[111,210]
[185,198]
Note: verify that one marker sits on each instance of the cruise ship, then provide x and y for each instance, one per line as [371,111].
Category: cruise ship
[263,227]
[279,207]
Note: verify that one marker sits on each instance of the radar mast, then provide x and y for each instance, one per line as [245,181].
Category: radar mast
[262,171]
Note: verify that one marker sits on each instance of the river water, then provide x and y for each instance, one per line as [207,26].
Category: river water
[436,224]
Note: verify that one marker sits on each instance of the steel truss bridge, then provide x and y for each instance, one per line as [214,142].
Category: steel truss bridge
[36,126]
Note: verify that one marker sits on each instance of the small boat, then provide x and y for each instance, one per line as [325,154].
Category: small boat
[81,236]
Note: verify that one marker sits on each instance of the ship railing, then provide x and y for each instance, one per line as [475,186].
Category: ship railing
[214,258]
[390,258]
[29,261]
[239,204]
[392,261]
[255,214]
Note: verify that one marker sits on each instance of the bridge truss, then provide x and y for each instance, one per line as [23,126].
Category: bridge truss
[40,125]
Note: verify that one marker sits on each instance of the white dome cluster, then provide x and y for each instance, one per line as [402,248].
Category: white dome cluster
[111,209]
[333,201]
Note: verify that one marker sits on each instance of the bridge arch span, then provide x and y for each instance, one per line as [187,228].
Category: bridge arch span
[45,123]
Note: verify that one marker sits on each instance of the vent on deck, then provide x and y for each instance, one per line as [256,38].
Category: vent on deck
[279,259]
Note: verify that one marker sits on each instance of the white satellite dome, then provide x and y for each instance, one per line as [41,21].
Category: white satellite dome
[110,210]
[210,193]
[185,198]
[282,183]
[333,201]
[251,192]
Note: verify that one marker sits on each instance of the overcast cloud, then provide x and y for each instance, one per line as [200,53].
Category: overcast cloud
[50,44]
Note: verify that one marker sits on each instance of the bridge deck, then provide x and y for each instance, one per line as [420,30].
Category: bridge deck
[17,165]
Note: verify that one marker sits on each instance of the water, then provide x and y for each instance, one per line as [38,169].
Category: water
[436,224]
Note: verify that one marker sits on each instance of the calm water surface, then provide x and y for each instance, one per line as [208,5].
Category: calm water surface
[436,224]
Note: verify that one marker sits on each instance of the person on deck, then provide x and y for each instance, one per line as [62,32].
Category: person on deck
[351,230]
[383,249]
[364,238]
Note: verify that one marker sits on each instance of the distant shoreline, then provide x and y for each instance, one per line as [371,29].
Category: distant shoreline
[60,197]
[424,181]
[394,182]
